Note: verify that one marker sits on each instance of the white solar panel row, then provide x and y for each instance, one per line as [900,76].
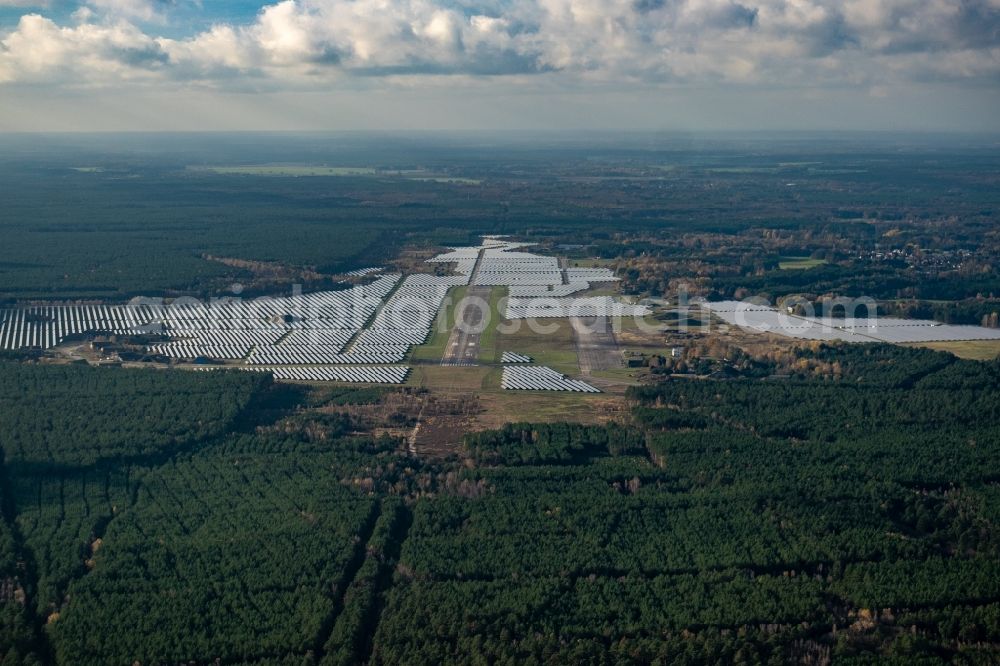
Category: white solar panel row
[325,317]
[319,304]
[541,378]
[18,335]
[192,327]
[590,274]
[330,324]
[318,337]
[465,267]
[324,355]
[45,327]
[770,320]
[493,242]
[370,337]
[107,315]
[548,291]
[416,303]
[597,306]
[403,319]
[248,338]
[361,272]
[503,266]
[457,254]
[359,375]
[941,333]
[515,278]
[512,357]
[508,255]
[399,350]
[192,351]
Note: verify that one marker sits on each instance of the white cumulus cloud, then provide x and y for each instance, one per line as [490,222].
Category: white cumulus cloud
[296,43]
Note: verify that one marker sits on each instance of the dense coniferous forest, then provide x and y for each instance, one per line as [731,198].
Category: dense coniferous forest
[890,219]
[850,517]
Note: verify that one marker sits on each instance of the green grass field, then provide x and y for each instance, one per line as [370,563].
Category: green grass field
[488,352]
[556,349]
[799,263]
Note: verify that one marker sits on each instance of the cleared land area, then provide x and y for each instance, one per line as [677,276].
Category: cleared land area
[799,263]
[976,350]
[548,343]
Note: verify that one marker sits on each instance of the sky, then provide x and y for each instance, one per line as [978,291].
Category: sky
[686,65]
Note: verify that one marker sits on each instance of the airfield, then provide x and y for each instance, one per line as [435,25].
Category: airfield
[495,320]
[471,315]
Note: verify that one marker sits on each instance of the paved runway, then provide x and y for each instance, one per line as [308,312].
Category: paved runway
[596,346]
[463,344]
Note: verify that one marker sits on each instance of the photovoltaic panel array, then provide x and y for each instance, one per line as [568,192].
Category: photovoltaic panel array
[767,319]
[540,378]
[46,326]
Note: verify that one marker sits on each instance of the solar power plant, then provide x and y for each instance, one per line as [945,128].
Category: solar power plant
[361,375]
[512,357]
[46,326]
[192,351]
[324,355]
[317,336]
[501,267]
[416,303]
[517,277]
[771,320]
[369,337]
[590,275]
[929,333]
[457,254]
[226,337]
[541,378]
[375,324]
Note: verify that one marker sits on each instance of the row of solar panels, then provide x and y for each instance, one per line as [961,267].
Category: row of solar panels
[598,306]
[877,329]
[541,378]
[547,291]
